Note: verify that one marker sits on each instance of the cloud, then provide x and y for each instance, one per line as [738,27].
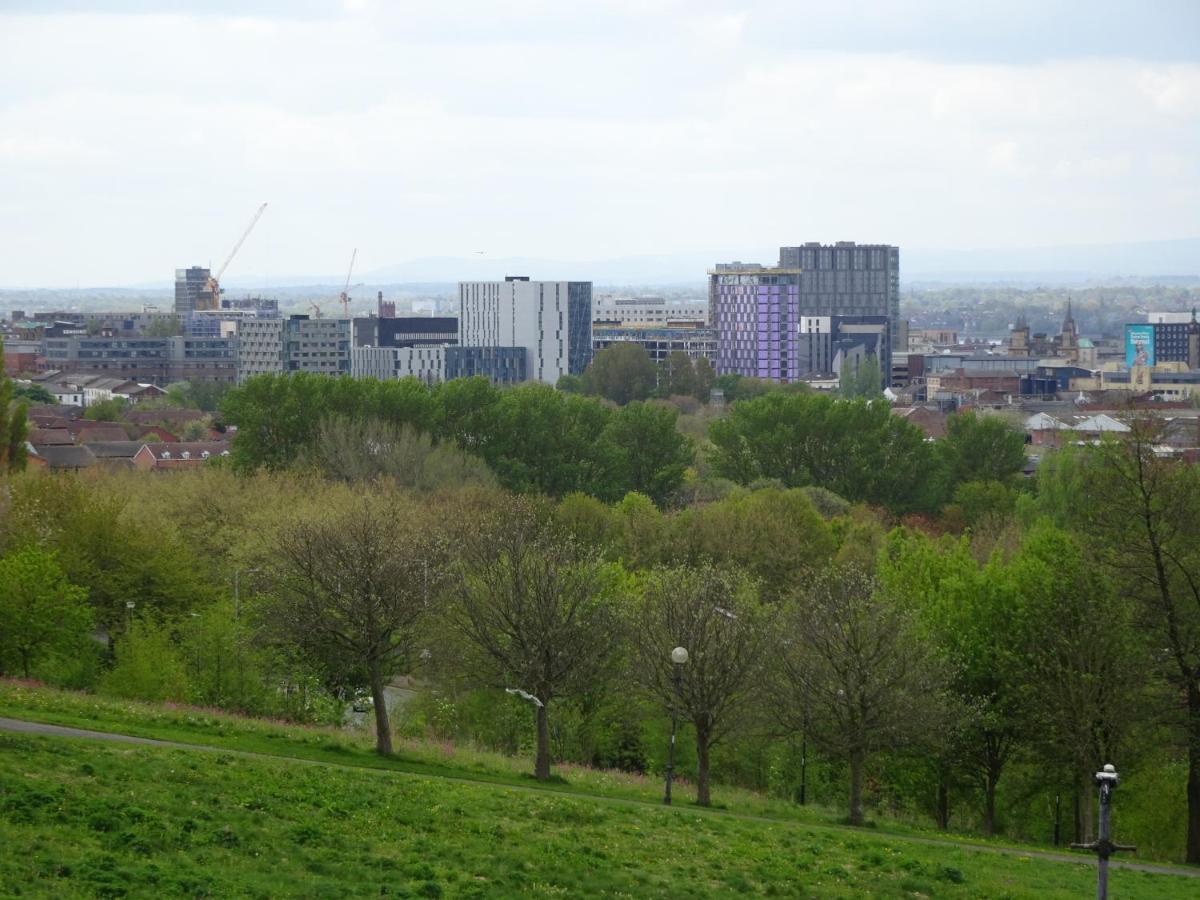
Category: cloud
[135,143]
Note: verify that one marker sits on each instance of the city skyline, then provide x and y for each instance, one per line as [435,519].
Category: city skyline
[139,137]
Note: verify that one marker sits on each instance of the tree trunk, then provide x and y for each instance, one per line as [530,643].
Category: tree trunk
[25,663]
[989,801]
[541,765]
[943,803]
[702,794]
[1083,804]
[1192,851]
[383,727]
[857,760]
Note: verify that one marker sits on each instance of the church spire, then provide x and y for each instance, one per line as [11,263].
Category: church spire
[1069,321]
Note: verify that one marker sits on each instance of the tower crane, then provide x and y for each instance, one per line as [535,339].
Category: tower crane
[345,297]
[214,281]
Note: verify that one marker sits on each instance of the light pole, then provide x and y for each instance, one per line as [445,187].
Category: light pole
[679,658]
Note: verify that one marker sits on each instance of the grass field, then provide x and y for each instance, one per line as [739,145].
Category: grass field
[79,818]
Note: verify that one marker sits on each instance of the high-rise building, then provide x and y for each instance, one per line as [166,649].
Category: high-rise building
[551,320]
[194,290]
[294,344]
[406,331]
[758,311]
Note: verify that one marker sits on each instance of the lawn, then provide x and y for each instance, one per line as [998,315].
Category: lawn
[81,818]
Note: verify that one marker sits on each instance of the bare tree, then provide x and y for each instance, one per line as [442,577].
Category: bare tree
[715,615]
[851,672]
[354,586]
[535,612]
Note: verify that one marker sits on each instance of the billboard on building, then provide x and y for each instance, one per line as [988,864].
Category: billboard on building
[1139,345]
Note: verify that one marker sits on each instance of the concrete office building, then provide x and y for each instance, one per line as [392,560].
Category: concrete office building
[428,364]
[757,311]
[194,290]
[406,331]
[294,344]
[158,361]
[647,311]
[551,320]
[500,365]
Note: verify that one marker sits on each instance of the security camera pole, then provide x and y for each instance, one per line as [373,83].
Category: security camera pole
[1107,781]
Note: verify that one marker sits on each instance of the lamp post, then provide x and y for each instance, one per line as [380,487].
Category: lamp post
[1104,847]
[679,658]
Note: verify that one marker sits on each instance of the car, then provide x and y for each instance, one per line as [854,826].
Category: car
[362,702]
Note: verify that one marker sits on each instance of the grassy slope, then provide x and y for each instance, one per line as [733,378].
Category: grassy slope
[80,818]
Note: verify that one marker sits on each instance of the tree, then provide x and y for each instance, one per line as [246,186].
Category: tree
[980,448]
[356,583]
[13,426]
[540,440]
[715,615]
[1142,513]
[106,410]
[41,612]
[853,673]
[677,376]
[367,449]
[149,666]
[33,393]
[621,372]
[570,384]
[777,536]
[706,376]
[535,611]
[1076,633]
[970,616]
[855,448]
[864,380]
[652,454]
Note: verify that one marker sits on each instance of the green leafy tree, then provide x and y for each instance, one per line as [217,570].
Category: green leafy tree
[544,441]
[1077,634]
[32,393]
[1142,514]
[677,376]
[41,611]
[980,448]
[621,372]
[570,384]
[652,455]
[864,380]
[149,666]
[970,615]
[13,425]
[706,377]
[106,410]
[777,536]
[855,448]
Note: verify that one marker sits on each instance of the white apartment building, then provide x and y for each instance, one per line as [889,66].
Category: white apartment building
[425,363]
[551,320]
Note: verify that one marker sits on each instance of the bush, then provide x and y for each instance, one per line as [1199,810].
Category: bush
[149,667]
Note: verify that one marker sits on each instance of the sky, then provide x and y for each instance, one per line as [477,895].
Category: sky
[138,137]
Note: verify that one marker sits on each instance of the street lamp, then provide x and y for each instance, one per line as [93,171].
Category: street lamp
[679,658]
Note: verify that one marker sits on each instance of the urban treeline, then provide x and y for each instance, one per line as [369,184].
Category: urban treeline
[946,638]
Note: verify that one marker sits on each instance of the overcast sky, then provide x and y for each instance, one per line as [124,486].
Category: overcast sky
[136,137]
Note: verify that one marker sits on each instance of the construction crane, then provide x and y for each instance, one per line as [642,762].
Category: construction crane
[345,297]
[213,288]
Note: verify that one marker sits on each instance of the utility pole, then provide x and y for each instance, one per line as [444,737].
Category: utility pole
[1107,780]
